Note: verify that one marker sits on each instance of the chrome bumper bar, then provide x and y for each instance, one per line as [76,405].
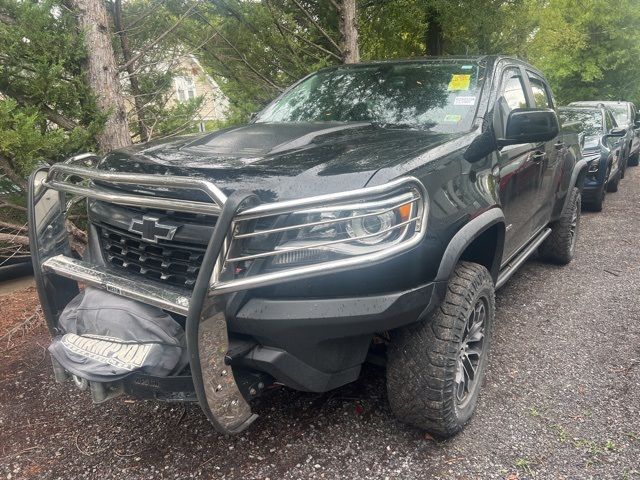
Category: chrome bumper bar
[101,277]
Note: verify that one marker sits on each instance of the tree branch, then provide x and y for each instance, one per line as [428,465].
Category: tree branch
[318,26]
[14,239]
[309,42]
[240,55]
[13,226]
[158,39]
[4,204]
[10,172]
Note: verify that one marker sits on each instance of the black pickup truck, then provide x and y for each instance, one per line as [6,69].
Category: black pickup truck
[379,203]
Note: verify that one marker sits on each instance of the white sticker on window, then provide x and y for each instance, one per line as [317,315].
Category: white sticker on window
[464,101]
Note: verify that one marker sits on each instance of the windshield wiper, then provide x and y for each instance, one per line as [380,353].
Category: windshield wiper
[399,126]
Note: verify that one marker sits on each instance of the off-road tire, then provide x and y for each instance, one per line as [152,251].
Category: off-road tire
[597,204]
[634,160]
[423,358]
[614,183]
[559,246]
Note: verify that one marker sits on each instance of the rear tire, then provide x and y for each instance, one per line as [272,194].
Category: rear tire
[559,246]
[435,367]
[634,160]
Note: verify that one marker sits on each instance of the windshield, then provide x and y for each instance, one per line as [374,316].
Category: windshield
[441,98]
[591,120]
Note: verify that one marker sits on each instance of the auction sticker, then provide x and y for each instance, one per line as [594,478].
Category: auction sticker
[459,82]
[467,101]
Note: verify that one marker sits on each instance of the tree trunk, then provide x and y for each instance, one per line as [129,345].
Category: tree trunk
[348,26]
[433,35]
[131,70]
[102,73]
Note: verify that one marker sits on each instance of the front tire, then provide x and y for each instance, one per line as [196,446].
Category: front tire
[613,184]
[559,246]
[635,159]
[435,368]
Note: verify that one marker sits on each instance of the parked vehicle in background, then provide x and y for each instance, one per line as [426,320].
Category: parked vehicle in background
[384,201]
[626,116]
[15,260]
[602,147]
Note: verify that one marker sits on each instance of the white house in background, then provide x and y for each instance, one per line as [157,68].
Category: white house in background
[192,81]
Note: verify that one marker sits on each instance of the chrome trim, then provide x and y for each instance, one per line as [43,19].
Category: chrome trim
[166,181]
[410,199]
[100,277]
[109,196]
[288,206]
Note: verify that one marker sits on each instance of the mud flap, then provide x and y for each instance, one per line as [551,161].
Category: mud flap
[207,337]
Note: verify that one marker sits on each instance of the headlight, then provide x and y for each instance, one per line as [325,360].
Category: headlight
[593,163]
[371,229]
[329,232]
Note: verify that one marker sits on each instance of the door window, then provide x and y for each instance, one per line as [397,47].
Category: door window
[540,94]
[513,89]
[608,121]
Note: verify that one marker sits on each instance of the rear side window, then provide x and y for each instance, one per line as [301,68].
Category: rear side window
[540,94]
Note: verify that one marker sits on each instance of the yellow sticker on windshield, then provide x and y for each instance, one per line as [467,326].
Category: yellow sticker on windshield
[459,82]
[451,118]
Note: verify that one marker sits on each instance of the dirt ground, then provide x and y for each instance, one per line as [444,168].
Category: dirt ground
[561,398]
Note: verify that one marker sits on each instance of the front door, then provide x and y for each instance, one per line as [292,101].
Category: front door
[520,169]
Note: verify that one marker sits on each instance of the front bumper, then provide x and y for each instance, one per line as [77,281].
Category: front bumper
[308,344]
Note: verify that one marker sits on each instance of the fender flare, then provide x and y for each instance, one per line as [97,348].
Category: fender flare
[578,168]
[465,236]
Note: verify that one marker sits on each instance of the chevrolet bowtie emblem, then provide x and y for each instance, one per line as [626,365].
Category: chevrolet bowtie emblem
[151,229]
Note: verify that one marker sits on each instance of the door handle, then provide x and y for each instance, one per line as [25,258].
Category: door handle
[538,156]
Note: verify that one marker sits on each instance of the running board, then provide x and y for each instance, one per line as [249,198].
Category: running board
[517,262]
[105,279]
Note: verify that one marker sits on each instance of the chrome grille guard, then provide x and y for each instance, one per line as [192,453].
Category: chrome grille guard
[207,340]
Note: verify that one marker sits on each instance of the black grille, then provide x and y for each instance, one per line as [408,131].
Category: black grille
[175,263]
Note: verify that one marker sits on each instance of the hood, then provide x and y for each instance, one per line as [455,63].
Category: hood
[281,161]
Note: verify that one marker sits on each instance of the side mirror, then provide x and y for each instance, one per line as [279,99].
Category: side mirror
[530,125]
[636,124]
[252,116]
[613,137]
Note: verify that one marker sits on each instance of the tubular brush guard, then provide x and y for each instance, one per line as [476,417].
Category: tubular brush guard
[58,273]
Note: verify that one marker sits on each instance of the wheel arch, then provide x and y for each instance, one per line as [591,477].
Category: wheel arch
[480,241]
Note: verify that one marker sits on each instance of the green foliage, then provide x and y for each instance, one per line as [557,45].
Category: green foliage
[26,141]
[589,50]
[42,59]
[393,29]
[181,118]
[41,83]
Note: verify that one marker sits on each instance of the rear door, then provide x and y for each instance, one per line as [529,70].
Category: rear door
[551,158]
[519,167]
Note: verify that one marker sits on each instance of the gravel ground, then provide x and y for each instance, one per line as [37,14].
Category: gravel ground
[561,398]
